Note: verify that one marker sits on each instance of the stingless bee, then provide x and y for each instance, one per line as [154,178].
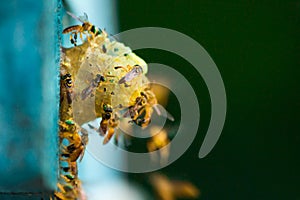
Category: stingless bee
[86,28]
[93,84]
[75,149]
[77,143]
[68,87]
[106,116]
[141,107]
[67,80]
[108,122]
[133,73]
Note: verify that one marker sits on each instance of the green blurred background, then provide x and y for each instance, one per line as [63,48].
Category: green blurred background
[256,46]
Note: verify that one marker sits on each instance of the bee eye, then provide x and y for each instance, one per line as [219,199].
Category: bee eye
[104,107]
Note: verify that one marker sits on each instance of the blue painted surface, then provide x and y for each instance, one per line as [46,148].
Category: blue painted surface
[29,63]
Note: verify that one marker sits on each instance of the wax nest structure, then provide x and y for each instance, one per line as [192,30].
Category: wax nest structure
[101,56]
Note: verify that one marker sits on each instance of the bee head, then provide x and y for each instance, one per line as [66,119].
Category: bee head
[138,69]
[100,77]
[107,108]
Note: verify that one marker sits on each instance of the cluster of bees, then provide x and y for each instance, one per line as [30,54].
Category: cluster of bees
[101,78]
[72,145]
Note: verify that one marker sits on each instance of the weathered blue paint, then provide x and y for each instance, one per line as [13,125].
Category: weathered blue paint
[29,94]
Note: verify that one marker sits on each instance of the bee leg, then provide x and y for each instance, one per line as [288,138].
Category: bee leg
[75,37]
[113,123]
[126,85]
[93,36]
[121,67]
[61,188]
[110,133]
[80,35]
[87,37]
[72,40]
[103,126]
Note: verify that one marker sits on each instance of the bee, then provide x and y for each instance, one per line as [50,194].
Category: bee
[141,109]
[66,81]
[67,126]
[93,84]
[108,123]
[86,28]
[113,124]
[133,73]
[106,116]
[77,143]
[75,149]
[168,189]
[67,78]
[70,188]
[159,141]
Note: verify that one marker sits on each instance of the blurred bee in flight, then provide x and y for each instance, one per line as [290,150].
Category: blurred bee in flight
[86,28]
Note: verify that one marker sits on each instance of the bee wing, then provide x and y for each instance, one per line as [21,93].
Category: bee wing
[75,17]
[124,79]
[86,92]
[84,17]
[125,112]
[165,113]
[130,75]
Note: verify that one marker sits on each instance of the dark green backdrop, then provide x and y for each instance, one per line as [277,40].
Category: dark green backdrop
[255,45]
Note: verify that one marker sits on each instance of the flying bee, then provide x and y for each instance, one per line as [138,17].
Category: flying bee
[170,189]
[133,73]
[94,84]
[86,28]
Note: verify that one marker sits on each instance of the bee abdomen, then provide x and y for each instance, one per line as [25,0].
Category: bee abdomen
[71,28]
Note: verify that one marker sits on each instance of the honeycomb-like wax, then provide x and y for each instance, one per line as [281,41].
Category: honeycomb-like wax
[101,56]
